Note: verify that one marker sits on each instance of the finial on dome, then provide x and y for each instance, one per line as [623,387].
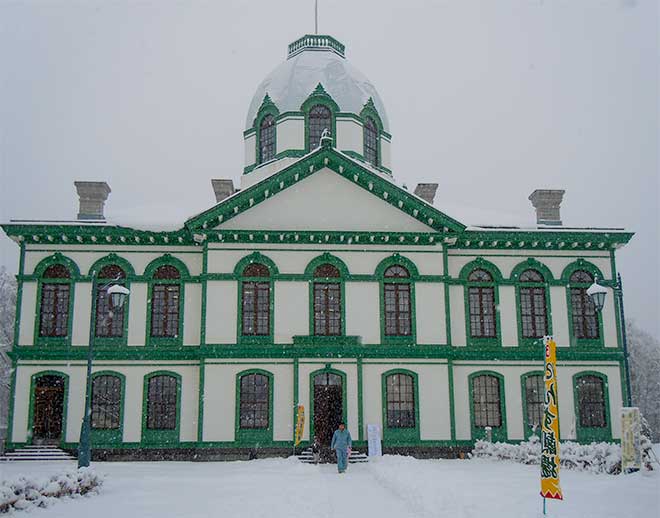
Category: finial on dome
[326,138]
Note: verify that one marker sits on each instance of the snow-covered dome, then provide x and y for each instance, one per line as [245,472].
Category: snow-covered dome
[314,60]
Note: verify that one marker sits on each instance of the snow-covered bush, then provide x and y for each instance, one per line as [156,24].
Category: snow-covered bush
[601,457]
[24,492]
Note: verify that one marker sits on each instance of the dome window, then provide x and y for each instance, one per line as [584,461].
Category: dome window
[320,118]
[267,139]
[371,141]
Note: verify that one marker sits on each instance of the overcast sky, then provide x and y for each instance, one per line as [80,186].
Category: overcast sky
[489,99]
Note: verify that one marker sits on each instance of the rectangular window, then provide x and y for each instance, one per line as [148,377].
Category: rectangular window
[106,402]
[397,309]
[161,403]
[165,311]
[486,401]
[327,309]
[585,318]
[482,312]
[534,394]
[256,308]
[108,326]
[532,312]
[54,313]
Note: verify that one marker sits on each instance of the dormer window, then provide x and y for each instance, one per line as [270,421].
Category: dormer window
[267,139]
[320,118]
[371,141]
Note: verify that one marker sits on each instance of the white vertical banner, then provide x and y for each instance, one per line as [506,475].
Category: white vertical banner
[631,429]
[373,439]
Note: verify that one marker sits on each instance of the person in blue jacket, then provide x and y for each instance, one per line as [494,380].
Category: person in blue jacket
[341,443]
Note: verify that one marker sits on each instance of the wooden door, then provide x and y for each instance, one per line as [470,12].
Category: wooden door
[48,409]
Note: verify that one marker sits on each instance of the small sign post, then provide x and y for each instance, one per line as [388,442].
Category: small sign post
[631,451]
[373,439]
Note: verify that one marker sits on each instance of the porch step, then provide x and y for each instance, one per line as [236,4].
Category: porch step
[356,457]
[37,452]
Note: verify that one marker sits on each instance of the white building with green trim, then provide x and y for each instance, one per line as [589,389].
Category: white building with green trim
[320,282]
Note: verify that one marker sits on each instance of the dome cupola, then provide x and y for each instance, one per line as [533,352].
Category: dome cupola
[315,89]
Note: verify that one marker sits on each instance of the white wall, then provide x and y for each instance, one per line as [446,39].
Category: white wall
[28,313]
[192,313]
[508,315]
[362,301]
[457,313]
[221,312]
[350,135]
[291,310]
[82,309]
[430,311]
[385,153]
[290,134]
[137,313]
[250,149]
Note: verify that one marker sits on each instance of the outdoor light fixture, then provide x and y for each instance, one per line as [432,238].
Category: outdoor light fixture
[117,294]
[597,294]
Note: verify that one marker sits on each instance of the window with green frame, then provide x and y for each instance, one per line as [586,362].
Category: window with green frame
[481,304]
[266,139]
[162,400]
[370,130]
[254,411]
[106,413]
[108,321]
[534,393]
[327,301]
[487,406]
[165,302]
[397,304]
[591,405]
[320,119]
[585,320]
[55,302]
[400,407]
[256,300]
[533,304]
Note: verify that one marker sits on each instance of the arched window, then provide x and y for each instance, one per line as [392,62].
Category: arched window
[267,139]
[371,141]
[533,310]
[108,325]
[327,301]
[254,413]
[583,310]
[55,299]
[165,302]
[161,402]
[486,401]
[320,118]
[106,402]
[255,305]
[481,297]
[534,393]
[591,402]
[396,295]
[400,389]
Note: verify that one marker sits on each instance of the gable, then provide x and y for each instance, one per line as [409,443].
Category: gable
[325,201]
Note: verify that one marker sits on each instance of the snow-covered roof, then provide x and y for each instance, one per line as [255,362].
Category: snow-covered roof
[291,83]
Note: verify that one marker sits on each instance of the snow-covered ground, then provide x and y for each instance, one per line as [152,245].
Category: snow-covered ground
[396,487]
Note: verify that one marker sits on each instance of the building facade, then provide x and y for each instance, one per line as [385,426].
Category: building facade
[322,283]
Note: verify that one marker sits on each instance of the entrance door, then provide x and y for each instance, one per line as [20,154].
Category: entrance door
[328,406]
[48,409]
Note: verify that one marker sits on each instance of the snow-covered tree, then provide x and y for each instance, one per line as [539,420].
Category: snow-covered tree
[7,313]
[644,352]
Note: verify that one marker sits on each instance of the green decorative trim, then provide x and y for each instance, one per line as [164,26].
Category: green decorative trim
[360,400]
[342,347]
[200,400]
[326,258]
[482,264]
[452,399]
[112,258]
[533,264]
[167,260]
[316,41]
[581,264]
[325,157]
[255,437]
[445,270]
[323,341]
[617,312]
[344,399]
[396,259]
[543,239]
[527,426]
[56,258]
[500,433]
[114,436]
[587,435]
[396,436]
[160,436]
[65,402]
[19,295]
[12,401]
[320,97]
[296,399]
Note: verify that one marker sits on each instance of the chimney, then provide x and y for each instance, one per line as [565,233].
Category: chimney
[92,199]
[547,202]
[426,191]
[222,188]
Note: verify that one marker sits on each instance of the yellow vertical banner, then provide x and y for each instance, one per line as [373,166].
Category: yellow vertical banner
[300,424]
[550,487]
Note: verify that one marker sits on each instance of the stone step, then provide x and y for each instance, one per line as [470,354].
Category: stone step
[307,457]
[36,453]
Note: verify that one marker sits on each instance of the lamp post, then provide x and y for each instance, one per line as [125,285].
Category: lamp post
[117,294]
[597,294]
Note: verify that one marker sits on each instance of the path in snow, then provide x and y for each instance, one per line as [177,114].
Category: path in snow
[390,487]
